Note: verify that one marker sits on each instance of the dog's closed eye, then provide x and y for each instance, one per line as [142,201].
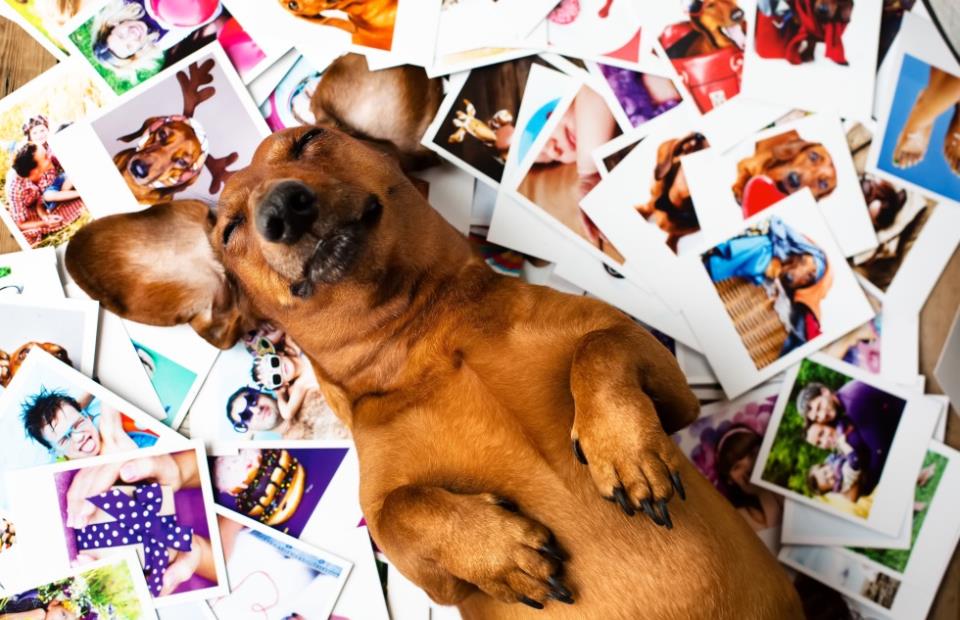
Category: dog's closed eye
[304,139]
[231,227]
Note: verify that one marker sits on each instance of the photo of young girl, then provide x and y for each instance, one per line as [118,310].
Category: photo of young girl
[41,207]
[288,105]
[861,347]
[563,171]
[723,444]
[108,590]
[130,41]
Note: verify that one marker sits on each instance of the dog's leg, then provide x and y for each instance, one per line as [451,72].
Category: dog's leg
[629,394]
[451,543]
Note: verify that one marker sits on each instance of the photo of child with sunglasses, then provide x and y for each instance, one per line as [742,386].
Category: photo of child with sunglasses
[286,398]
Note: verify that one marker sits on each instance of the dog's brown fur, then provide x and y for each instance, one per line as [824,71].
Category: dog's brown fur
[391,107]
[778,156]
[369,22]
[168,142]
[462,389]
[670,187]
[710,22]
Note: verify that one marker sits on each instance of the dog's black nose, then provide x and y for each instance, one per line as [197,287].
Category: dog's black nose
[139,169]
[794,179]
[736,15]
[286,212]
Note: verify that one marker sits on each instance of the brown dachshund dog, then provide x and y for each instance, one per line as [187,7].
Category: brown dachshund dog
[791,163]
[670,206]
[713,23]
[172,151]
[369,22]
[463,389]
[390,107]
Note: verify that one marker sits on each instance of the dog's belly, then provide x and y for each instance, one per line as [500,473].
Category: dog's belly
[485,439]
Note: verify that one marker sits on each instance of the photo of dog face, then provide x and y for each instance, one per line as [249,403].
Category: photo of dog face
[670,206]
[788,163]
[169,155]
[369,22]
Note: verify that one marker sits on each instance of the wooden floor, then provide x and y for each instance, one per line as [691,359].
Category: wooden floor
[22,59]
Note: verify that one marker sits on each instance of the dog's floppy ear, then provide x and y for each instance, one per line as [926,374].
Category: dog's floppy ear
[157,266]
[130,137]
[902,197]
[664,159]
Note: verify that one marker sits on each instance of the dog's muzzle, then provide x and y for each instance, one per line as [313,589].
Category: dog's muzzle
[286,212]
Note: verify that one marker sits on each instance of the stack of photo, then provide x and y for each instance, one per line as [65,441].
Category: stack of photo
[771,188]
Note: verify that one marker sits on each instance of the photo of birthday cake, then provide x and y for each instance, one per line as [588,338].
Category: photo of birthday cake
[267,484]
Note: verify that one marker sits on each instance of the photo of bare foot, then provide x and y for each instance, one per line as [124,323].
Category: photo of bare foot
[921,134]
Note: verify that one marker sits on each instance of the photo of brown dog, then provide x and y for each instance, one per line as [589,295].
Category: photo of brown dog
[369,22]
[184,135]
[780,166]
[670,207]
[464,390]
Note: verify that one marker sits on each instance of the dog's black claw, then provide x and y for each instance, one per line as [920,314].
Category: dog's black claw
[665,514]
[560,592]
[508,505]
[678,485]
[551,550]
[621,497]
[578,452]
[650,512]
[530,602]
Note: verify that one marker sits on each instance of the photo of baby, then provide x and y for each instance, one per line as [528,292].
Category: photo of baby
[41,206]
[130,41]
[182,137]
[51,413]
[772,280]
[833,439]
[106,590]
[921,136]
[706,50]
[723,444]
[154,504]
[275,486]
[564,171]
[274,576]
[264,388]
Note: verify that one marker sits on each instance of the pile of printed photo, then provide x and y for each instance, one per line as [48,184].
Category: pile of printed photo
[770,186]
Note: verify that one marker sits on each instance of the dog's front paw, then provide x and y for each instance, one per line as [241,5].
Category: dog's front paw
[632,465]
[509,556]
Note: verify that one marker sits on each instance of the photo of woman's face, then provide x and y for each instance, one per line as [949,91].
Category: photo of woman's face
[561,148]
[38,134]
[127,38]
